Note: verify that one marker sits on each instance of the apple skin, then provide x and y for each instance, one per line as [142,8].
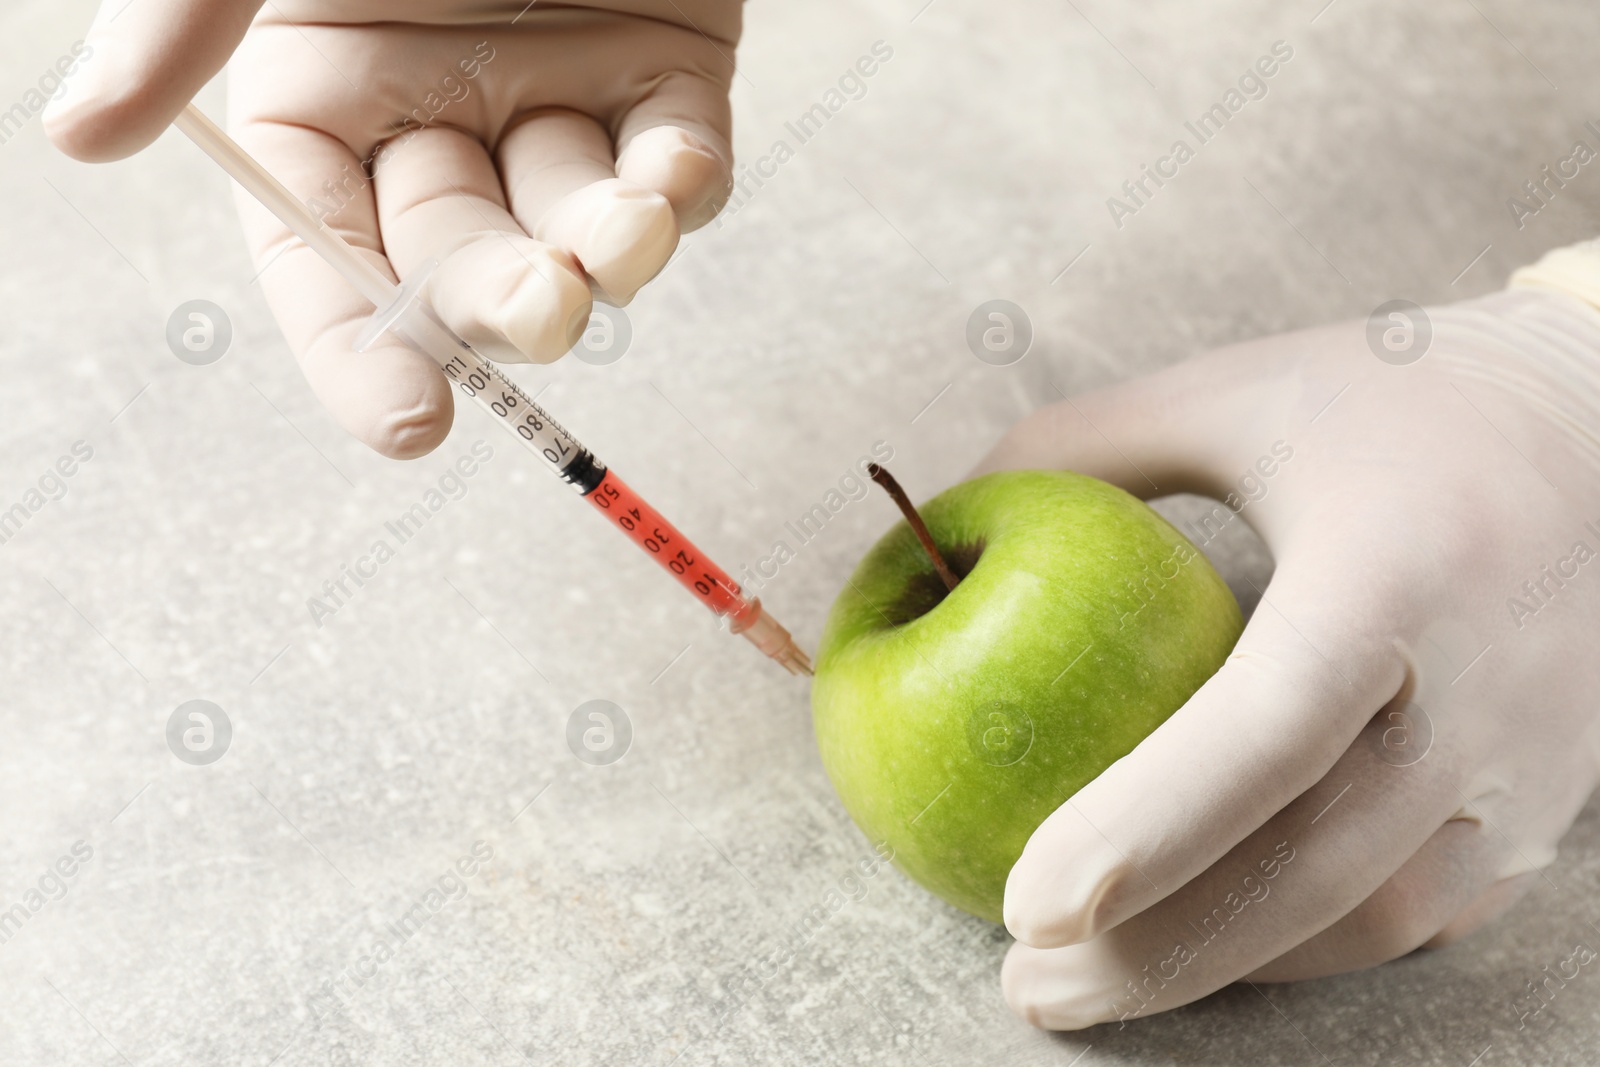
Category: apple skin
[951,728]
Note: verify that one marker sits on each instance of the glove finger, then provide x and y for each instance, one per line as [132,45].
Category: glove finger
[518,299]
[1489,906]
[1308,866]
[390,397]
[562,187]
[1428,892]
[1310,670]
[549,153]
[675,142]
[142,62]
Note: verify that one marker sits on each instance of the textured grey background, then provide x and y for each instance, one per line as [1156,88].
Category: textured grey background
[623,902]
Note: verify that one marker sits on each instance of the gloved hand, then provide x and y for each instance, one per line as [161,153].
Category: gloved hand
[558,146]
[1408,723]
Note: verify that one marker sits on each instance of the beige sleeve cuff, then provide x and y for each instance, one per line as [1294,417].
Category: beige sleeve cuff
[1573,269]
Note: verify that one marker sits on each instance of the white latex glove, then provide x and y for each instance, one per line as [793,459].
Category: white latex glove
[1436,529]
[563,145]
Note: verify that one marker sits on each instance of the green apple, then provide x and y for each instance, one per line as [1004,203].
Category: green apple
[953,724]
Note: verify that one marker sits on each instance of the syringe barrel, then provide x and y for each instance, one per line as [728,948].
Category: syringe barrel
[650,530]
[492,390]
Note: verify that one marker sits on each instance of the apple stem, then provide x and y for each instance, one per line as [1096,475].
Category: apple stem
[920,528]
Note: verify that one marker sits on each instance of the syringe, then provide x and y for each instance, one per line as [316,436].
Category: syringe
[402,311]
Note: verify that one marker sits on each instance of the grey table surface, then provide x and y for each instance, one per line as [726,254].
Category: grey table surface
[623,909]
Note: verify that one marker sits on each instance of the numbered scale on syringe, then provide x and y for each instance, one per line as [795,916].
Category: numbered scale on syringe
[578,467]
[486,383]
